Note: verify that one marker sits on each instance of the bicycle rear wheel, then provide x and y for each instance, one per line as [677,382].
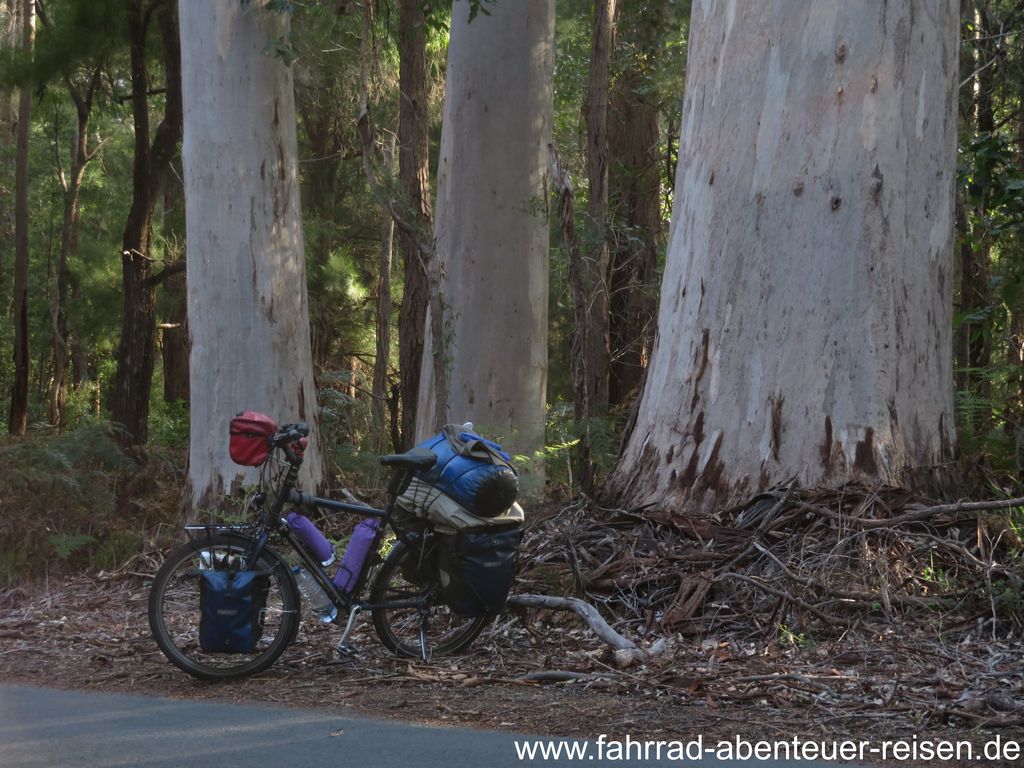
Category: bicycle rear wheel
[418,624]
[174,607]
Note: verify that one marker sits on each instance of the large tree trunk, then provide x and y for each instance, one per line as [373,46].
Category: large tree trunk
[805,320]
[247,302]
[491,231]
[136,352]
[414,173]
[18,416]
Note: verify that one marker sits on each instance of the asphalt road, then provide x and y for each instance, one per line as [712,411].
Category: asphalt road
[44,728]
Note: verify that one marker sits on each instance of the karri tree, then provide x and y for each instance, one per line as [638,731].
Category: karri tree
[805,319]
[486,346]
[247,304]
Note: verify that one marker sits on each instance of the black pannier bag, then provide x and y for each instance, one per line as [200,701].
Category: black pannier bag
[231,605]
[477,568]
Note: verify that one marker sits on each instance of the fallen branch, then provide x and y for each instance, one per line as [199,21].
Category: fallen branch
[583,609]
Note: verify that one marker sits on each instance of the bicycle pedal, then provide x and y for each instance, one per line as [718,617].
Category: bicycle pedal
[346,651]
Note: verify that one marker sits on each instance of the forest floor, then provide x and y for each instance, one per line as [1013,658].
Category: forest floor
[725,672]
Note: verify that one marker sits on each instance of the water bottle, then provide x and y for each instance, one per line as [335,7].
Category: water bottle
[311,536]
[315,595]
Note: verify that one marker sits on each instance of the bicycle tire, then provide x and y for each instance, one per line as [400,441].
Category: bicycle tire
[399,628]
[174,612]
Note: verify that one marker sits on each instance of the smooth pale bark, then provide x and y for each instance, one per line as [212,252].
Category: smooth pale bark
[18,415]
[247,304]
[805,319]
[491,229]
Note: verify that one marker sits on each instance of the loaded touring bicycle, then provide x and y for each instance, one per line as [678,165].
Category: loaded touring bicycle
[432,567]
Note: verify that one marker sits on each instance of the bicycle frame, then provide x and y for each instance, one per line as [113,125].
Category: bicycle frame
[272,521]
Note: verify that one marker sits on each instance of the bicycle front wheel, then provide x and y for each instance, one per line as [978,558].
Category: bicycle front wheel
[174,607]
[410,619]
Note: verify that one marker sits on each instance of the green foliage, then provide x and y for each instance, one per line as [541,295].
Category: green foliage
[168,423]
[59,497]
[989,293]
[346,427]
[115,550]
[76,33]
[562,436]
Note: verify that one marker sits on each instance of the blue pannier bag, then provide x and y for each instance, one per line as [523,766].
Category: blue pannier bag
[473,470]
[231,604]
[477,569]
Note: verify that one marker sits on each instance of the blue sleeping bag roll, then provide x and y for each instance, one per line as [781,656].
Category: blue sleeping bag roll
[473,470]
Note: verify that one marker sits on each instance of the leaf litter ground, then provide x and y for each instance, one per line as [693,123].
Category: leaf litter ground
[864,614]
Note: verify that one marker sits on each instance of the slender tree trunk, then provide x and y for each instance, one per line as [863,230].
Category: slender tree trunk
[805,320]
[136,353]
[174,347]
[18,416]
[976,289]
[590,338]
[247,302]
[491,229]
[383,318]
[174,344]
[325,142]
[635,201]
[71,184]
[10,35]
[414,173]
[1014,413]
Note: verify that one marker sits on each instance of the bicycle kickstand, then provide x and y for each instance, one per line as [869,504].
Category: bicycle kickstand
[343,649]
[424,649]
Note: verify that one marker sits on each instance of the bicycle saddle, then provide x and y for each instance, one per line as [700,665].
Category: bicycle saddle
[417,458]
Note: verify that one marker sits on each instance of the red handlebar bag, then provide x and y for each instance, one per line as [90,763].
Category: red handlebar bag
[250,438]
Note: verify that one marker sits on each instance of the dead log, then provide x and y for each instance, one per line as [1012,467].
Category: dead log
[583,609]
[626,651]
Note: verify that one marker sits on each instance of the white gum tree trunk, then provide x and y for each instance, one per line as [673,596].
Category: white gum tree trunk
[491,227]
[805,320]
[247,304]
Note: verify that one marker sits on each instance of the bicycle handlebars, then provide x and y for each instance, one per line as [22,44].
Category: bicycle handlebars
[289,433]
